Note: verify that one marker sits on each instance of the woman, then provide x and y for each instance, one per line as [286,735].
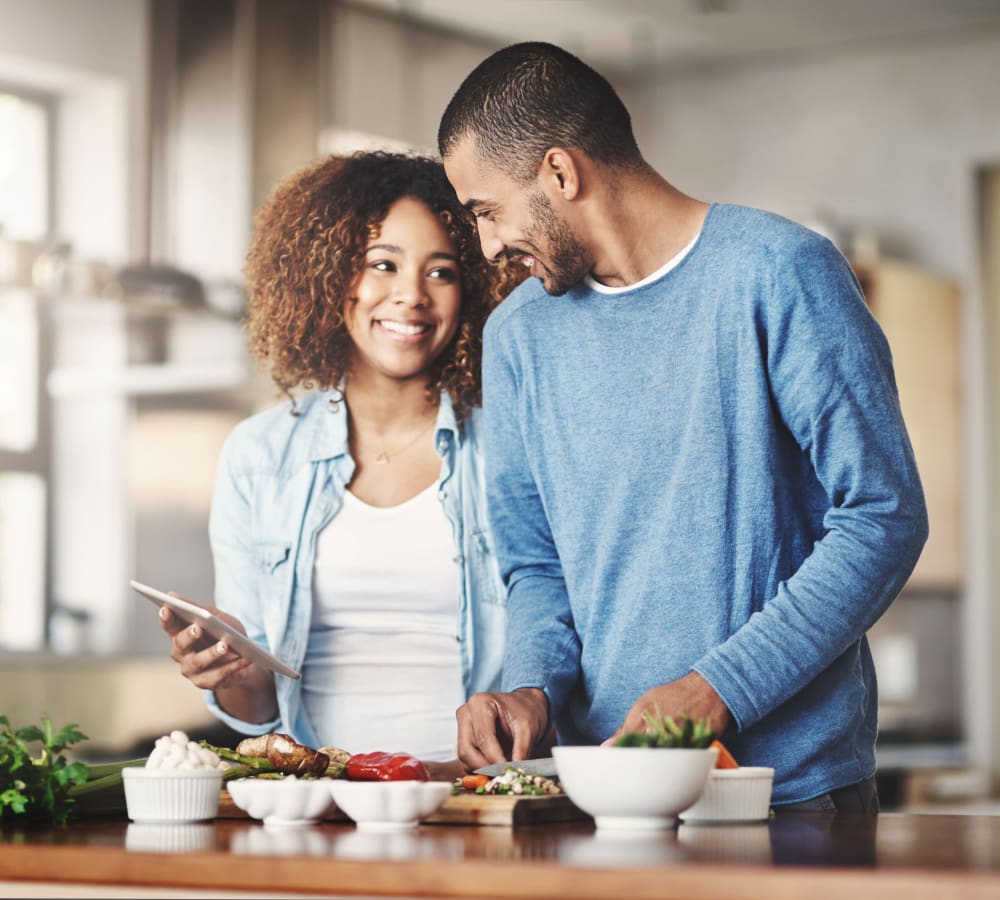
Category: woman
[348,524]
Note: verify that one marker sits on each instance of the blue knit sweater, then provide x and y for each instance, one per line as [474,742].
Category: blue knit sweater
[707,472]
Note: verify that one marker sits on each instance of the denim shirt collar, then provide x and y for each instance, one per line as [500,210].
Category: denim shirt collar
[329,439]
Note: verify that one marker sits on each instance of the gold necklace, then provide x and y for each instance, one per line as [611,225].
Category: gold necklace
[384,457]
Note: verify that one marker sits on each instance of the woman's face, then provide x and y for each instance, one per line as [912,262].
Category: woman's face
[408,295]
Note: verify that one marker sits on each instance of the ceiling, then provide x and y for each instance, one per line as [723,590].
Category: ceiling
[632,35]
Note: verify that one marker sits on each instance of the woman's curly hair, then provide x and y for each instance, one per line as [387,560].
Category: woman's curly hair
[308,247]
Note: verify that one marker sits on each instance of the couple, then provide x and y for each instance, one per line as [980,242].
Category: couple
[688,487]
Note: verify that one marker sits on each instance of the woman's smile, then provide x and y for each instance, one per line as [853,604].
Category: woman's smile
[408,295]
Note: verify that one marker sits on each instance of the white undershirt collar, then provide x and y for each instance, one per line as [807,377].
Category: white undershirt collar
[668,266]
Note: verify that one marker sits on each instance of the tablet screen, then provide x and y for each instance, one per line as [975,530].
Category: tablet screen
[222,631]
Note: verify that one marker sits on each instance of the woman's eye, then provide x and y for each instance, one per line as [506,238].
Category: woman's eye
[382,265]
[447,275]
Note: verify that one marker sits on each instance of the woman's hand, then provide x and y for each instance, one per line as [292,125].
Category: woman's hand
[205,661]
[242,688]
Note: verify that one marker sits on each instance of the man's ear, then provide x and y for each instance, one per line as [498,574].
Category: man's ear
[560,173]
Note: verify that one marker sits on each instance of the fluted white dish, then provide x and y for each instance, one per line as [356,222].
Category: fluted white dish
[171,795]
[633,788]
[388,805]
[734,795]
[282,801]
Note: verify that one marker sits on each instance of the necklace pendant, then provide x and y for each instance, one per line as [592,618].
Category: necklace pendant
[383,457]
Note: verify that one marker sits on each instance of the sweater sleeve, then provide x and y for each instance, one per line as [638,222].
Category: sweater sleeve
[833,389]
[543,649]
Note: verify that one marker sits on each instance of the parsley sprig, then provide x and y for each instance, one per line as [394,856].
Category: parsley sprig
[665,731]
[38,786]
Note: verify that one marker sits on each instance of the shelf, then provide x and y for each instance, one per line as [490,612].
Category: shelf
[146,380]
[921,756]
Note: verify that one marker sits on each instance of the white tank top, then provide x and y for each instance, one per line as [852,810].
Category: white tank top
[383,666]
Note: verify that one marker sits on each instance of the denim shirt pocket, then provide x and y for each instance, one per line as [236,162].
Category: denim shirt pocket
[270,556]
[484,571]
[274,586]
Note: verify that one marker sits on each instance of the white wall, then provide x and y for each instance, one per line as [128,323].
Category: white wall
[390,80]
[886,139]
[92,58]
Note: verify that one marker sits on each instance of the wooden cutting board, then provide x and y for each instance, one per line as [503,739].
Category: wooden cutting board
[467,809]
[505,809]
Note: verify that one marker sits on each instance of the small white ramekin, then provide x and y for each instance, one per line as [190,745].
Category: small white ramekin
[171,795]
[388,805]
[282,801]
[734,795]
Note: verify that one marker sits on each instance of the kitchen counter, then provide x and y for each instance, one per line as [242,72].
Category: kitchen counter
[892,855]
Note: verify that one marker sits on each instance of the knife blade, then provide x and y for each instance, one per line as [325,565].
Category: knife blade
[545,767]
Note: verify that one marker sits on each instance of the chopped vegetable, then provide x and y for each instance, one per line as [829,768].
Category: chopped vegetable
[665,731]
[725,759]
[380,766]
[471,782]
[511,781]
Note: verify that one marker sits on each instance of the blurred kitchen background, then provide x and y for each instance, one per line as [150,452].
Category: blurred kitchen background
[138,136]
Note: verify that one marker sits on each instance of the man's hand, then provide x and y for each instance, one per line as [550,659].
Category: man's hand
[691,695]
[498,727]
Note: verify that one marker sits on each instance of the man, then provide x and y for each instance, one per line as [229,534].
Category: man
[700,484]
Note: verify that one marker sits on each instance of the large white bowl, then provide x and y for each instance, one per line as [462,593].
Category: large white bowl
[282,801]
[734,795]
[171,795]
[388,805]
[633,788]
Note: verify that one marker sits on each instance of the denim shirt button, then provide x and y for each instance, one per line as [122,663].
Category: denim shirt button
[442,445]
[458,559]
[442,495]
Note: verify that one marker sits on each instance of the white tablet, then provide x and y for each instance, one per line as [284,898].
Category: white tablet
[197,615]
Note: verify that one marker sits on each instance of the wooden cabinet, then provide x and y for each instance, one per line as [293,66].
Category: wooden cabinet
[920,313]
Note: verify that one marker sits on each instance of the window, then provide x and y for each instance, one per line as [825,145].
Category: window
[24,167]
[25,201]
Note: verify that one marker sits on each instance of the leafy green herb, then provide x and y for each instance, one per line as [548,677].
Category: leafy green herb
[665,731]
[38,786]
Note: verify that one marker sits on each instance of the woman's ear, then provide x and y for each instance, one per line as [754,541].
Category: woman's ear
[560,173]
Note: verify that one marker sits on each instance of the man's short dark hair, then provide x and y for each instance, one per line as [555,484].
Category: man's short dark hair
[529,97]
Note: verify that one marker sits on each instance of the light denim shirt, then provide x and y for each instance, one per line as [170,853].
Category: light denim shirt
[281,479]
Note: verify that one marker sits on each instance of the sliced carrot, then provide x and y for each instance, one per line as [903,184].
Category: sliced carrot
[471,782]
[725,759]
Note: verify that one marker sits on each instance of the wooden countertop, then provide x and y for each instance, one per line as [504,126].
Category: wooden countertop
[890,856]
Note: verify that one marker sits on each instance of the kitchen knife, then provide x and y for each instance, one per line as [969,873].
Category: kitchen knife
[545,767]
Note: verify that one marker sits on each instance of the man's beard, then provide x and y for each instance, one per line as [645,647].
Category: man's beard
[567,255]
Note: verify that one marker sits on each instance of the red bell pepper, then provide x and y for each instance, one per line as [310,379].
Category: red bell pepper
[380,766]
